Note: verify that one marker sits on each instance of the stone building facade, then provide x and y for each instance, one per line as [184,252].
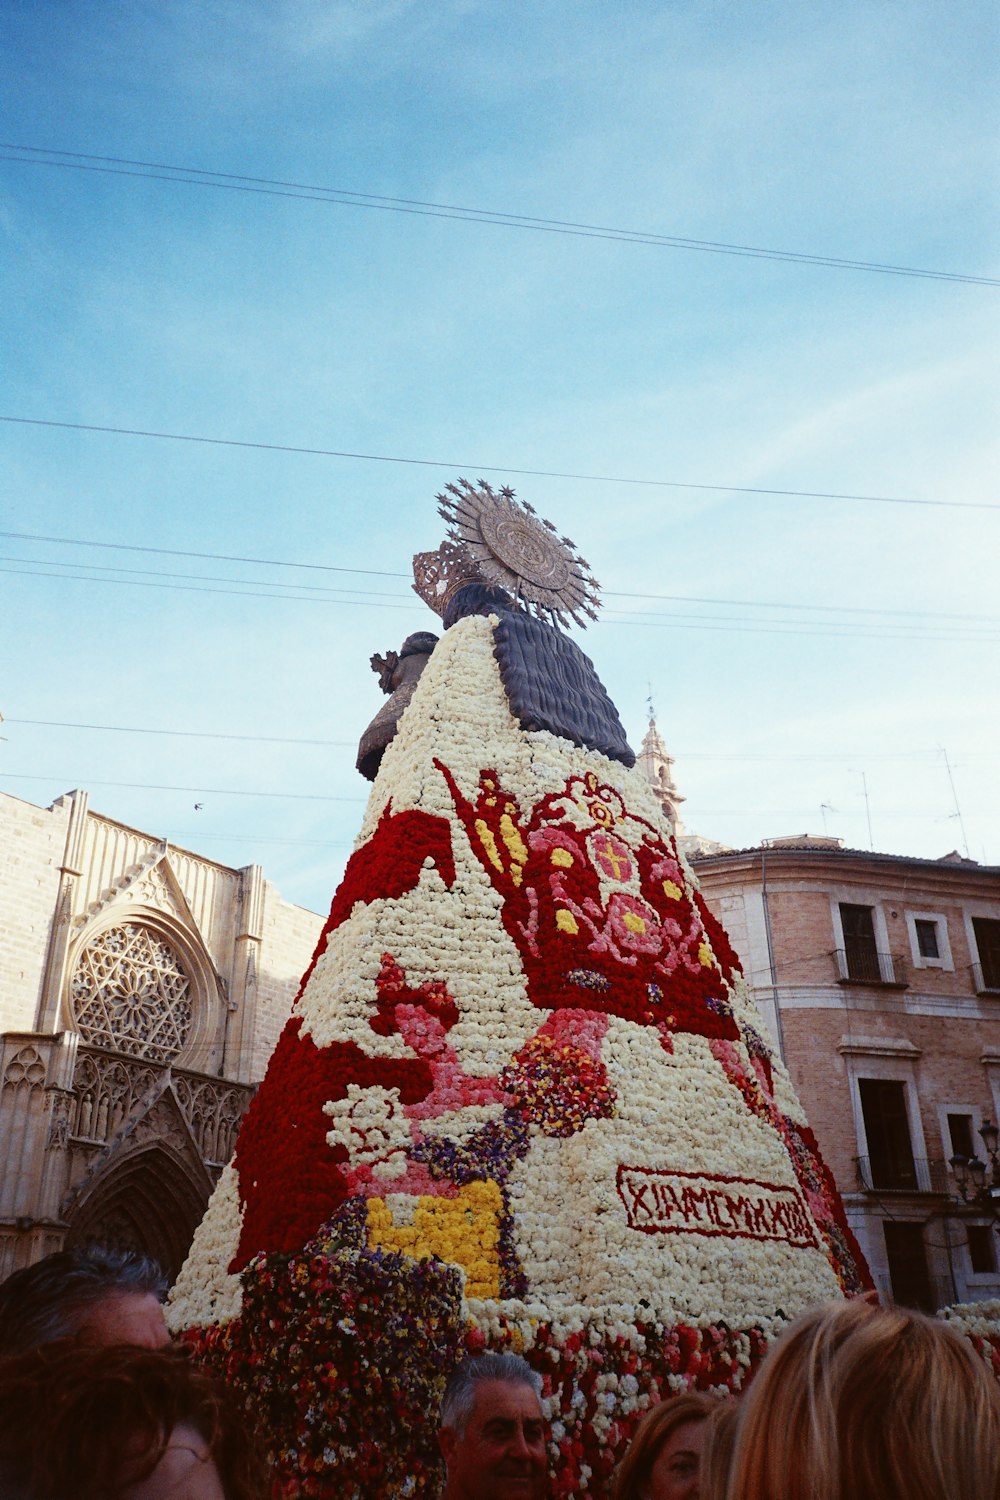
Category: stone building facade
[879,978]
[142,988]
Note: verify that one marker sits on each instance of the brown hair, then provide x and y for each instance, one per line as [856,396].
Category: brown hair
[652,1432]
[857,1402]
[717,1450]
[90,1422]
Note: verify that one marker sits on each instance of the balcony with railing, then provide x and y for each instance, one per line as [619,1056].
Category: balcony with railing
[986,979]
[902,1174]
[864,965]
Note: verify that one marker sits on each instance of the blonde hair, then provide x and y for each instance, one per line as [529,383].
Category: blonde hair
[650,1435]
[717,1450]
[864,1403]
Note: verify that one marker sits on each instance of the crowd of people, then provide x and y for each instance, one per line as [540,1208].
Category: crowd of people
[853,1402]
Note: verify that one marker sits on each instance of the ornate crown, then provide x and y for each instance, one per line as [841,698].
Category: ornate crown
[500,541]
[438,576]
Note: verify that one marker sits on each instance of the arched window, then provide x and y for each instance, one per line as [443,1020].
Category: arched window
[131,993]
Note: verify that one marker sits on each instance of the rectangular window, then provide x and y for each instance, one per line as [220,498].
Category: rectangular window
[927,938]
[859,942]
[907,1257]
[987,931]
[982,1249]
[960,1131]
[887,1129]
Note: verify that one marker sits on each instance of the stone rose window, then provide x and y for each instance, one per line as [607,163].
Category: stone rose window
[130,994]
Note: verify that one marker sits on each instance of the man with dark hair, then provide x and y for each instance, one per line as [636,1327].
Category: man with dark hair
[492,1432]
[98,1296]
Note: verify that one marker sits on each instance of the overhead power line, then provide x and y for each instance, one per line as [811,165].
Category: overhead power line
[251,588]
[840,609]
[118,166]
[714,812]
[186,734]
[192,588]
[349,596]
[264,562]
[686,755]
[221,836]
[313,567]
[835,629]
[507,469]
[204,791]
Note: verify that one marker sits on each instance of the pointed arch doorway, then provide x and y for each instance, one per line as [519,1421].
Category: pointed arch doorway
[149,1201]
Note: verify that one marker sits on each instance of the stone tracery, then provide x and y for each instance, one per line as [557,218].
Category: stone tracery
[130,993]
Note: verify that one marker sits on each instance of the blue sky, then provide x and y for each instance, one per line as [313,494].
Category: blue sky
[862,131]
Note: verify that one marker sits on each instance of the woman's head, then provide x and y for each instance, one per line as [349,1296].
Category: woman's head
[662,1459]
[120,1423]
[857,1402]
[717,1450]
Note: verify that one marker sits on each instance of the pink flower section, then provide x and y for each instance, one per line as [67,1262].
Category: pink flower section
[584,1029]
[634,925]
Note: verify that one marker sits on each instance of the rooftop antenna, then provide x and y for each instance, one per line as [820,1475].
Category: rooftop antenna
[954,793]
[824,808]
[868,807]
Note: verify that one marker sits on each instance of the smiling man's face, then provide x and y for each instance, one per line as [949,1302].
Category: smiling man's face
[501,1454]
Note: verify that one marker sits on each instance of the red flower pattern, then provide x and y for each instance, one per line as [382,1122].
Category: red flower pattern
[586,941]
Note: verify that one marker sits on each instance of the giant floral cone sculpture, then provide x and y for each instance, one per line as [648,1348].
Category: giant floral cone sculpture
[523,1101]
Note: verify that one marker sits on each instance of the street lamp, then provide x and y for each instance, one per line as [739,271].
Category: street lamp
[979,1181]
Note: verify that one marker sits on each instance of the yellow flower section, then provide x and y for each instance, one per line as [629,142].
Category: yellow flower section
[463,1230]
[489,843]
[515,845]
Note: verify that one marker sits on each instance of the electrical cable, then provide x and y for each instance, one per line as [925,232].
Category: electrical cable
[835,630]
[480,468]
[188,588]
[189,734]
[269,739]
[82,161]
[708,812]
[28,565]
[206,791]
[275,562]
[312,588]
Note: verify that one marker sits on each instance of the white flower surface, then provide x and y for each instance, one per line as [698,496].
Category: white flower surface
[205,1292]
[371,1125]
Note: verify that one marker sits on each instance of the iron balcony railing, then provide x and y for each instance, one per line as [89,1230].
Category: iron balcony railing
[908,1174]
[870,966]
[986,979]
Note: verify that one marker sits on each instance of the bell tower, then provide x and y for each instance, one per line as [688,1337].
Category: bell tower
[658,767]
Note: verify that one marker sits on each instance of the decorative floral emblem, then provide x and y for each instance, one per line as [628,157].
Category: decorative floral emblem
[591,889]
[370,1124]
[611,857]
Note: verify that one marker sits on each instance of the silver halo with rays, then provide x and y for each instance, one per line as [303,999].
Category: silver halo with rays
[514,548]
